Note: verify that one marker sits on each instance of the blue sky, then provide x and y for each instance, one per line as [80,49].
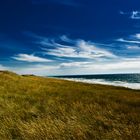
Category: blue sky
[62,37]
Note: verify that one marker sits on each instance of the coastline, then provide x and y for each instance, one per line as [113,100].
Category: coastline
[134,86]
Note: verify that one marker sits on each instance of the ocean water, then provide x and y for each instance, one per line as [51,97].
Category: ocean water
[125,80]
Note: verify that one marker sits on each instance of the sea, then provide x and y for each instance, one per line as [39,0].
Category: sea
[131,81]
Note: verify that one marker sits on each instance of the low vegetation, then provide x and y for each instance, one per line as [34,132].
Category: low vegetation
[37,108]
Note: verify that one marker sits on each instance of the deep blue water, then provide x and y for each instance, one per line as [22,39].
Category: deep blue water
[126,80]
[130,78]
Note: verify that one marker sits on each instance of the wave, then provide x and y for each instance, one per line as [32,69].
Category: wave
[105,82]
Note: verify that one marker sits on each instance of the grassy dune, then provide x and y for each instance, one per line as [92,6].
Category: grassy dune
[36,108]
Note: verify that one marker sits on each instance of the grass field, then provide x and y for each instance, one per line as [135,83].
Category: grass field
[37,108]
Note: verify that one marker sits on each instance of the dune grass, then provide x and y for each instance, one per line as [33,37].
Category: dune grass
[37,108]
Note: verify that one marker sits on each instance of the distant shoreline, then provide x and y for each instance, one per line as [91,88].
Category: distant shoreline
[133,86]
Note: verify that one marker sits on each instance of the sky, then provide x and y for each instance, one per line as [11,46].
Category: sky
[70,37]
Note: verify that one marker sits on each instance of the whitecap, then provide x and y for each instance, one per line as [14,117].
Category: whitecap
[105,82]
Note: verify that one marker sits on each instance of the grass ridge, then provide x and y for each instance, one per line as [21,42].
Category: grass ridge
[38,108]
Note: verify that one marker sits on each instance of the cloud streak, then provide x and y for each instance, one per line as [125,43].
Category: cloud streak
[135,15]
[30,58]
[137,36]
[122,65]
[81,49]
[77,56]
[117,66]
[133,47]
[3,67]
[128,41]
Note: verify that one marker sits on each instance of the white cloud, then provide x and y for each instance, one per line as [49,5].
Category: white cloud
[66,50]
[137,36]
[92,51]
[3,67]
[135,15]
[37,69]
[123,65]
[66,39]
[128,41]
[122,13]
[81,49]
[74,64]
[30,58]
[62,52]
[133,47]
[118,66]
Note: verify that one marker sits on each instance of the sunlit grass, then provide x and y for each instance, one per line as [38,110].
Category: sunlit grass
[36,108]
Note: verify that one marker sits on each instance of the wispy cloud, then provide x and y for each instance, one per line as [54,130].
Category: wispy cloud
[133,47]
[30,58]
[129,46]
[74,64]
[137,36]
[81,49]
[132,39]
[66,39]
[128,41]
[133,15]
[3,67]
[77,56]
[122,65]
[122,13]
[37,69]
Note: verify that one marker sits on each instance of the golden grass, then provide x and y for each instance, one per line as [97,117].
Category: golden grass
[36,108]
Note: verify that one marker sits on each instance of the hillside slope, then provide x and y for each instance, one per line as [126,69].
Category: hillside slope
[37,108]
